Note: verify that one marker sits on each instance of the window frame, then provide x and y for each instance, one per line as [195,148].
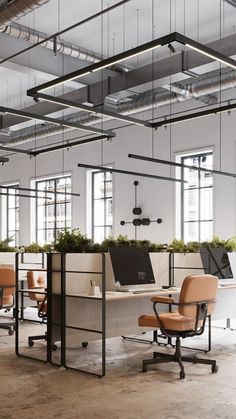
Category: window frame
[104,198]
[199,221]
[55,204]
[5,213]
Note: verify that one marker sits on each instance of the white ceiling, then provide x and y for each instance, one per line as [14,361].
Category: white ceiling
[125,27]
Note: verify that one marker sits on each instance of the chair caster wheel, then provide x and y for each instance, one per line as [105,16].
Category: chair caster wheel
[214,368]
[182,375]
[30,343]
[10,332]
[84,344]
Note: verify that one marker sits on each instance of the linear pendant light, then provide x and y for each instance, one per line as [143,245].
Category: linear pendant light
[20,188]
[127,172]
[149,46]
[195,115]
[21,195]
[60,122]
[134,52]
[175,164]
[70,104]
[68,145]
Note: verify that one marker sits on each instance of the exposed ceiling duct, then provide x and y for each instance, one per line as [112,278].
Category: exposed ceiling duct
[232,2]
[62,47]
[139,103]
[11,10]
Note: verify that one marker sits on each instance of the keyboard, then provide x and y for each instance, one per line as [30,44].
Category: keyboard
[143,291]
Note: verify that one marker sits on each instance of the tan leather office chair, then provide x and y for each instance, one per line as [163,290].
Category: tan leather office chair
[196,302]
[7,292]
[35,281]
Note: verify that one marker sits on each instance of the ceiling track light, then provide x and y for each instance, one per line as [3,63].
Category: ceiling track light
[195,115]
[127,172]
[55,121]
[70,104]
[171,48]
[4,160]
[149,46]
[181,165]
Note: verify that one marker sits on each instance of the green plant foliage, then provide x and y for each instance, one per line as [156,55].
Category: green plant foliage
[121,241]
[73,242]
[76,242]
[177,246]
[5,247]
[230,245]
[36,248]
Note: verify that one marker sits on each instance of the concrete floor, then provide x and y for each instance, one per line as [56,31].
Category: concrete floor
[30,389]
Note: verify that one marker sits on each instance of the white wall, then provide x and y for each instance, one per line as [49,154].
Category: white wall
[155,197]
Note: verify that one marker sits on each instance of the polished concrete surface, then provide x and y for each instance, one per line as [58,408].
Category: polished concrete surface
[32,389]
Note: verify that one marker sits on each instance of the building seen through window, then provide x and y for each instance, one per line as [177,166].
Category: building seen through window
[102,217]
[10,215]
[196,198]
[52,215]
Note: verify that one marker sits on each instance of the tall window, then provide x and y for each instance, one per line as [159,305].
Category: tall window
[101,205]
[52,215]
[196,198]
[10,214]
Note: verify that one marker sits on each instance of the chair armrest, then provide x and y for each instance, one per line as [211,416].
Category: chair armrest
[163,300]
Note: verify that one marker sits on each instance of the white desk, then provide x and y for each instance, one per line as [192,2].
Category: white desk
[123,309]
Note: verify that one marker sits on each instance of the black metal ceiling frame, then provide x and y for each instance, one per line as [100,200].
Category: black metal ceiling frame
[62,123]
[165,40]
[55,35]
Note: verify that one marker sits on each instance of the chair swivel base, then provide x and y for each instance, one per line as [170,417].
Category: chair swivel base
[160,358]
[31,339]
[8,326]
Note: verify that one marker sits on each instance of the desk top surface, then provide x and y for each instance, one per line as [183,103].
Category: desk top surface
[117,295]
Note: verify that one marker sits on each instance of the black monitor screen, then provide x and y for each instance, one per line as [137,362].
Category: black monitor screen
[216,262]
[131,265]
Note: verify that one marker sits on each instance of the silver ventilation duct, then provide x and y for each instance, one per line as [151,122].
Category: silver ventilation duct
[63,47]
[140,103]
[232,2]
[11,10]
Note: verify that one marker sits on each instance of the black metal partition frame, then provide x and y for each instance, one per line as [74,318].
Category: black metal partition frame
[19,261]
[54,325]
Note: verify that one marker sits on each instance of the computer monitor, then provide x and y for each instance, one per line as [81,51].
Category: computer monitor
[131,266]
[216,262]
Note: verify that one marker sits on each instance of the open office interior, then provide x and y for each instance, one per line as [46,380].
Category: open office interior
[117,130]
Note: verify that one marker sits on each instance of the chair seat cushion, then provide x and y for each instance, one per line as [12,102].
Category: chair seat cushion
[171,321]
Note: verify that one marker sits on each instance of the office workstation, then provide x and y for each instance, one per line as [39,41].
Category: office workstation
[94,297]
[117,208]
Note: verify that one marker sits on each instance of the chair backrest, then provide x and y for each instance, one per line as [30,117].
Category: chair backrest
[35,280]
[197,288]
[7,278]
